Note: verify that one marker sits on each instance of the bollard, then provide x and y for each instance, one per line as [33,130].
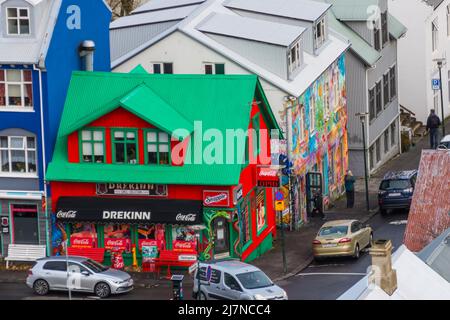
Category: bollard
[177,286]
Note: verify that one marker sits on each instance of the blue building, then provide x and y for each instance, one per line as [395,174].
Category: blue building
[41,43]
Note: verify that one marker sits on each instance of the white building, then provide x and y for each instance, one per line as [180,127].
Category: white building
[428,38]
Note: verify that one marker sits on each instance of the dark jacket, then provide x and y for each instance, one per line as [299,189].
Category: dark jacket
[349,183]
[433,122]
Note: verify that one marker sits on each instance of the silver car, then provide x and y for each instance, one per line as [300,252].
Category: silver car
[85,275]
[234,280]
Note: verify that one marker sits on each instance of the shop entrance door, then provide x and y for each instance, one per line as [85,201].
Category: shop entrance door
[25,222]
[313,186]
[221,238]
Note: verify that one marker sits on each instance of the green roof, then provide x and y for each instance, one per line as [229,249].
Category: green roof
[396,28]
[352,10]
[139,69]
[169,101]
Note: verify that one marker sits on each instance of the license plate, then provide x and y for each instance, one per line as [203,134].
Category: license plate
[329,245]
[395,194]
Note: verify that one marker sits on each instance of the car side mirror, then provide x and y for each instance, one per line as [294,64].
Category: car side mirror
[85,273]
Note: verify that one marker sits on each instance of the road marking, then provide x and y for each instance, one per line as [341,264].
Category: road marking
[325,265]
[330,274]
[399,222]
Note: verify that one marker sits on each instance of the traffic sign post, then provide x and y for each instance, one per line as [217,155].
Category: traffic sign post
[436,84]
[279,196]
[279,205]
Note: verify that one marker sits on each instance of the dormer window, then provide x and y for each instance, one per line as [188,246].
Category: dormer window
[320,33]
[295,57]
[18,21]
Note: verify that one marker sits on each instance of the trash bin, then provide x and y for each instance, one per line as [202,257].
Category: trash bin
[177,286]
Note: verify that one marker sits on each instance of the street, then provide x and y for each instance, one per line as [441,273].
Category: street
[328,279]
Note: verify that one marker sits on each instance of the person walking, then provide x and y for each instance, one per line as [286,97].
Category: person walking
[433,123]
[350,189]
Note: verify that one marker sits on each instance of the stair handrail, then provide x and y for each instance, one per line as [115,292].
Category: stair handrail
[406,109]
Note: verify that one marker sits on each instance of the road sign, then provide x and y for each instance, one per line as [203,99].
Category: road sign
[279,205]
[279,196]
[436,84]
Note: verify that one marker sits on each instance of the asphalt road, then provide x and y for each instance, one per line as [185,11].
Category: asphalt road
[329,279]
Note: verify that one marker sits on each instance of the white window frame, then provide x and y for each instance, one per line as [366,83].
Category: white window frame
[22,84]
[319,41]
[161,65]
[18,18]
[298,57]
[434,35]
[213,64]
[26,150]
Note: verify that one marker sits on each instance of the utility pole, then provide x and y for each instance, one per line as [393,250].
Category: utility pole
[362,117]
[440,63]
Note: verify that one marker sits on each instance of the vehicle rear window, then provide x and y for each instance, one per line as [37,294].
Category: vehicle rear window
[254,280]
[333,231]
[55,266]
[395,184]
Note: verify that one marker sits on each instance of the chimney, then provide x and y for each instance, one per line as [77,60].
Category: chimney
[382,273]
[86,51]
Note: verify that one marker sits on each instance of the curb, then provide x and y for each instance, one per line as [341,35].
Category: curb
[310,259]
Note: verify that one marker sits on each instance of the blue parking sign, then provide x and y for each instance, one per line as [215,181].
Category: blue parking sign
[436,84]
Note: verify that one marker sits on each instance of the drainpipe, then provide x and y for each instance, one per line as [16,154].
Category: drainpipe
[41,102]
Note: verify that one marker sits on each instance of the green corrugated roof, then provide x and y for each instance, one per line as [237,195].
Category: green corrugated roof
[352,10]
[139,69]
[221,102]
[396,28]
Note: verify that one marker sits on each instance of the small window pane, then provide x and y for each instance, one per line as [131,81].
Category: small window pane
[131,135]
[119,135]
[24,26]
[151,148]
[12,12]
[98,149]
[4,160]
[86,135]
[151,136]
[28,95]
[157,68]
[17,143]
[220,68]
[98,135]
[27,76]
[2,93]
[15,95]
[208,69]
[2,75]
[152,158]
[163,158]
[13,27]
[131,153]
[87,149]
[163,148]
[168,68]
[31,143]
[163,137]
[3,142]
[120,152]
[31,161]
[13,75]
[18,160]
[24,13]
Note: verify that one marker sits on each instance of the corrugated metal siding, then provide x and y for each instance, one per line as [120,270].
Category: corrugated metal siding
[430,208]
[385,118]
[125,40]
[307,35]
[271,57]
[360,27]
[356,162]
[356,98]
[388,59]
[19,184]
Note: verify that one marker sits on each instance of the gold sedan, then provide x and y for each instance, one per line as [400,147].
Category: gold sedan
[342,238]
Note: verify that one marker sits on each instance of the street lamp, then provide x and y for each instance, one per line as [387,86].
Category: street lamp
[440,63]
[363,116]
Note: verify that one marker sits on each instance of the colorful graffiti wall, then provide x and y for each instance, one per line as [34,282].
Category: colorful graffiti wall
[319,139]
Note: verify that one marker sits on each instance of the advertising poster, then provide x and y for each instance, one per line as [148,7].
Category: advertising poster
[117,236]
[260,210]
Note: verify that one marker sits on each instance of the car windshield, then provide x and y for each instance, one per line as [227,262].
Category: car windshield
[395,184]
[94,266]
[254,280]
[333,231]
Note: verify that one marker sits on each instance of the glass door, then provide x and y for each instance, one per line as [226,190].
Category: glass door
[221,238]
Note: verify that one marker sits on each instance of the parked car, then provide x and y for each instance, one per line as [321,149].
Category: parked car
[445,143]
[342,238]
[396,190]
[87,276]
[234,280]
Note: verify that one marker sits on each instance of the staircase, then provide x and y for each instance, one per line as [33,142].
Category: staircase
[407,119]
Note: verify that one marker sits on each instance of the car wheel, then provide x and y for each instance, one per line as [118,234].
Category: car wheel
[201,296]
[41,287]
[370,241]
[356,253]
[102,290]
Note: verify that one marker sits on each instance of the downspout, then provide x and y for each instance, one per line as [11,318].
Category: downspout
[41,102]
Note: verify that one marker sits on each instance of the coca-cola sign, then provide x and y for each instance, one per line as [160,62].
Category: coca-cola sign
[120,244]
[184,246]
[186,217]
[216,198]
[71,214]
[81,242]
[268,178]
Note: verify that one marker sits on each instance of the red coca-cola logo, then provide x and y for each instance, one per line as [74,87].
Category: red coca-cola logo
[116,244]
[184,246]
[268,173]
[81,241]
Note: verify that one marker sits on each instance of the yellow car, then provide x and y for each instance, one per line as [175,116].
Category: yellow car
[342,238]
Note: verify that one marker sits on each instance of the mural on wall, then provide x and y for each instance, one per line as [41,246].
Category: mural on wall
[319,138]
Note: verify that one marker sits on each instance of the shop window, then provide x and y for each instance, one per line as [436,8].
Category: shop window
[16,89]
[125,146]
[18,21]
[25,224]
[151,236]
[183,239]
[18,155]
[261,214]
[83,235]
[92,145]
[117,237]
[157,147]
